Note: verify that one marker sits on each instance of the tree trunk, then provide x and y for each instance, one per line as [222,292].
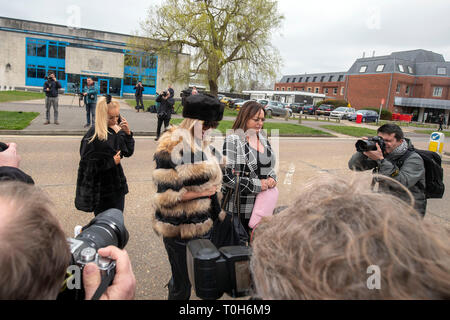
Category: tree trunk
[213,87]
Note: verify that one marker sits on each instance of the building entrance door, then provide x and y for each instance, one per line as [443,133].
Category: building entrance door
[103,85]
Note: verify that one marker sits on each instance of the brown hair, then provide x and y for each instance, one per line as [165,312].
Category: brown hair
[34,253]
[248,110]
[322,246]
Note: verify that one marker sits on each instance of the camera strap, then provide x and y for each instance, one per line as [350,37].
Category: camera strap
[106,281]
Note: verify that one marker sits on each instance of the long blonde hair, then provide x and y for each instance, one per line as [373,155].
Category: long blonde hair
[101,118]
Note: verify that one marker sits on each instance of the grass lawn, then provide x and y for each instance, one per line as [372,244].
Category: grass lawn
[446,133]
[6,96]
[10,120]
[284,128]
[351,131]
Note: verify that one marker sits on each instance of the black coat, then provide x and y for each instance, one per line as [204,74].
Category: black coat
[99,178]
[53,86]
[139,90]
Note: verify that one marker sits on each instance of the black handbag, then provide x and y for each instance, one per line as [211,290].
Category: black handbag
[230,231]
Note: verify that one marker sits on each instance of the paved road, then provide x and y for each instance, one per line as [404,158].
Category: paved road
[53,162]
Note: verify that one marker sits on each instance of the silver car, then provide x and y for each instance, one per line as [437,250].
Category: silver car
[342,112]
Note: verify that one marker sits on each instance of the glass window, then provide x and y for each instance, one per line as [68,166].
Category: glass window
[309,89]
[322,78]
[335,90]
[61,52]
[132,60]
[342,91]
[31,49]
[31,71]
[410,69]
[407,90]
[52,51]
[41,50]
[401,68]
[40,72]
[149,81]
[307,79]
[363,69]
[380,67]
[437,91]
[399,86]
[314,79]
[331,78]
[130,80]
[442,71]
[287,80]
[149,62]
[300,80]
[294,79]
[61,75]
[325,90]
[316,90]
[340,77]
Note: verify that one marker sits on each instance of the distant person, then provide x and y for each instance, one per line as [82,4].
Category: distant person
[441,121]
[90,100]
[171,99]
[339,240]
[164,112]
[51,87]
[101,182]
[139,88]
[194,91]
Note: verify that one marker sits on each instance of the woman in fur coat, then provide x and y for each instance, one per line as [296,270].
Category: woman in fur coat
[188,179]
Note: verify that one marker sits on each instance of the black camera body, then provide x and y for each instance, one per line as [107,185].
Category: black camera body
[370,144]
[106,229]
[164,93]
[214,271]
[3,146]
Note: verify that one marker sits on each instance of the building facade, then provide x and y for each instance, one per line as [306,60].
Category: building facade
[415,82]
[30,50]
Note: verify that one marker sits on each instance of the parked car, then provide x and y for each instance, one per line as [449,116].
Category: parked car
[324,109]
[342,112]
[226,101]
[276,108]
[367,116]
[309,109]
[295,107]
[263,102]
[234,101]
[238,105]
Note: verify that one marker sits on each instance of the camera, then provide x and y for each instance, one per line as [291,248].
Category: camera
[106,229]
[165,93]
[3,146]
[370,144]
[213,271]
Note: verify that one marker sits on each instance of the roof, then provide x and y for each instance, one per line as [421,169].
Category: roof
[326,77]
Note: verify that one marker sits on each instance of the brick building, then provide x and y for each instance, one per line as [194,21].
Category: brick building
[415,82]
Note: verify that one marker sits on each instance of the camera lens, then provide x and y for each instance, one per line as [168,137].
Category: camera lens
[365,145]
[106,229]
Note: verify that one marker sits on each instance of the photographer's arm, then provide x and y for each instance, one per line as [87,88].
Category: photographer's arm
[409,174]
[360,162]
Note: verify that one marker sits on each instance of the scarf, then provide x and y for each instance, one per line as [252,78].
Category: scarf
[400,150]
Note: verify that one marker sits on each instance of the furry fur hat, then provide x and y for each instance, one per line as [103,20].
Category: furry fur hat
[203,107]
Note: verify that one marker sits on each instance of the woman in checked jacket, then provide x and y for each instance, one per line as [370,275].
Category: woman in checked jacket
[249,154]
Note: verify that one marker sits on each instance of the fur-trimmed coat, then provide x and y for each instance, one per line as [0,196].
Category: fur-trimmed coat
[177,172]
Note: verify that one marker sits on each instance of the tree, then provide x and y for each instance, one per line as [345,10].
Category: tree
[227,39]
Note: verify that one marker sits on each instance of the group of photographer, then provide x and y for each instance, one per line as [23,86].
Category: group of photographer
[320,247]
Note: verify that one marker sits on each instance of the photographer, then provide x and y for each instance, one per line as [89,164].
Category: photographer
[398,161]
[51,87]
[139,88]
[164,112]
[90,100]
[9,164]
[35,254]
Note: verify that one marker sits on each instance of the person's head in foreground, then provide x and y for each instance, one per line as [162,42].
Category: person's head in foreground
[334,238]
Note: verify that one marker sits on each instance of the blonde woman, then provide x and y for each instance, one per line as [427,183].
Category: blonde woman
[187,179]
[101,182]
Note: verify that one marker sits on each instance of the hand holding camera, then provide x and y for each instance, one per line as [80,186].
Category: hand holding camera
[373,147]
[8,155]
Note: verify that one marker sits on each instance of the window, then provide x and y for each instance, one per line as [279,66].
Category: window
[294,79]
[363,69]
[61,74]
[316,90]
[149,81]
[342,91]
[309,89]
[31,71]
[277,89]
[410,69]
[130,80]
[132,60]
[149,62]
[300,80]
[289,89]
[437,91]
[31,49]
[325,90]
[340,77]
[399,86]
[442,71]
[331,78]
[40,72]
[322,78]
[407,90]
[401,68]
[307,79]
[52,50]
[61,52]
[282,89]
[287,80]
[335,90]
[314,79]
[380,68]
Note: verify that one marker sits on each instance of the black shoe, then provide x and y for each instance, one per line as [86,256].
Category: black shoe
[157,138]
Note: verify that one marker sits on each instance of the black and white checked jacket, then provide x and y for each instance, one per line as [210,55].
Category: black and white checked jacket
[240,158]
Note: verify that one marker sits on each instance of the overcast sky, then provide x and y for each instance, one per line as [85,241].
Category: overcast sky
[317,35]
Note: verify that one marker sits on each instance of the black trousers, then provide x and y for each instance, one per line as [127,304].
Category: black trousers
[166,122]
[179,285]
[108,203]
[139,102]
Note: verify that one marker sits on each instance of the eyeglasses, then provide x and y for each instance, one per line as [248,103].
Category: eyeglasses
[259,119]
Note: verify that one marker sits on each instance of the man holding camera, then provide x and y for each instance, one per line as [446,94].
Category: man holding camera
[90,100]
[393,156]
[139,88]
[164,112]
[51,87]
[35,254]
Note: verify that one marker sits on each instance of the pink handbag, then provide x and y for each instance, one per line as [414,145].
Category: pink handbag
[265,203]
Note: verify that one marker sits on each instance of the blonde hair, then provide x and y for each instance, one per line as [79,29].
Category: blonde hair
[101,118]
[322,246]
